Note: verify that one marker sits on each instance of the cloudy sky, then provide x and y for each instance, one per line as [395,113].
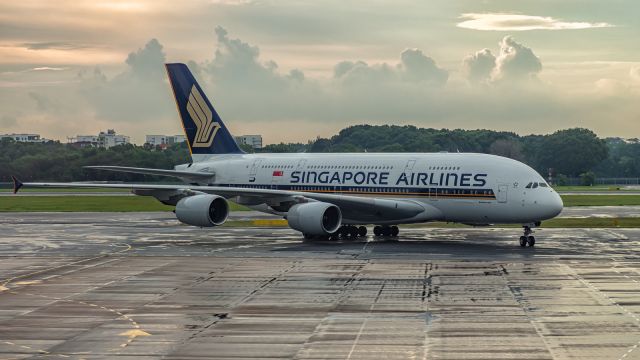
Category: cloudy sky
[295,70]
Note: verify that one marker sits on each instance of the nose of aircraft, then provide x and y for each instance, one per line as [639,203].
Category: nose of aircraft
[553,205]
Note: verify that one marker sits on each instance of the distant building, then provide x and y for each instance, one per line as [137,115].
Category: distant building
[32,138]
[164,140]
[103,139]
[110,139]
[255,141]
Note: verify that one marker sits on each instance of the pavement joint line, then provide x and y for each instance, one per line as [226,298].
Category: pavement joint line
[133,322]
[523,307]
[366,319]
[425,304]
[338,300]
[611,282]
[261,287]
[8,281]
[613,302]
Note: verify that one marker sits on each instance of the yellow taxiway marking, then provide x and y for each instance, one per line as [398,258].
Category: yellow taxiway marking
[134,333]
[274,222]
[30,282]
[3,287]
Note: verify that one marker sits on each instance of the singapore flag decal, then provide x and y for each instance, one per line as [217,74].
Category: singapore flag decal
[278,173]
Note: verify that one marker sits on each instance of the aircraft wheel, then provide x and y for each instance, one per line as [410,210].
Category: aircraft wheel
[343,232]
[523,241]
[531,241]
[353,231]
[394,231]
[386,231]
[362,231]
[377,230]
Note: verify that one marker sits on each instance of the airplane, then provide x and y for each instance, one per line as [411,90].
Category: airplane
[332,195]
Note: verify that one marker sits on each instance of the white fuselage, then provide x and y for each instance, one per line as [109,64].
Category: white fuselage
[464,187]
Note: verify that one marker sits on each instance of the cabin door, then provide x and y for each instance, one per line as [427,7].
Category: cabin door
[502,193]
[254,169]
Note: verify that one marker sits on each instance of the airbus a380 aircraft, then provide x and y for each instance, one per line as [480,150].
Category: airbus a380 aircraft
[329,195]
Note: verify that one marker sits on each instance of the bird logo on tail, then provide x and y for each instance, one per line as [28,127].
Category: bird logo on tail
[201,114]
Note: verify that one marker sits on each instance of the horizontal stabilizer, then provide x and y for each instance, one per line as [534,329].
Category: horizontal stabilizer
[160,172]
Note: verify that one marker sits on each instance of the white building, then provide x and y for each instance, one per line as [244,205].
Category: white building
[33,138]
[110,139]
[162,140]
[103,139]
[255,141]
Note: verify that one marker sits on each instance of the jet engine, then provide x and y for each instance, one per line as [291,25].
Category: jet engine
[315,218]
[202,210]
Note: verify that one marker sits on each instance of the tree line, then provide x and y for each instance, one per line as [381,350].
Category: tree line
[571,152]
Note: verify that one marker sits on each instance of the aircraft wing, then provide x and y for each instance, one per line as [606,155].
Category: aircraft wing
[160,172]
[353,207]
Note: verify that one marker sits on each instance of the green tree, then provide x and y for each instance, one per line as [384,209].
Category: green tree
[571,152]
[588,178]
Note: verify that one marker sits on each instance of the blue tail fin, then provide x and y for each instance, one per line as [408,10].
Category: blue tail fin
[205,131]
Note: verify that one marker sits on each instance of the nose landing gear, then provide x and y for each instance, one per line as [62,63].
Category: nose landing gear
[527,238]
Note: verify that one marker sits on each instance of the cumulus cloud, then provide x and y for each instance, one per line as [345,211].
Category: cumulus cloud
[421,68]
[479,66]
[515,63]
[414,67]
[519,22]
[147,62]
[254,94]
[249,87]
[237,62]
[138,94]
[359,72]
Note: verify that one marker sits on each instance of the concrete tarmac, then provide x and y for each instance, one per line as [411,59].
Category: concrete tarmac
[142,286]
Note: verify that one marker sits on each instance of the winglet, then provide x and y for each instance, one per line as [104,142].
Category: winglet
[17,184]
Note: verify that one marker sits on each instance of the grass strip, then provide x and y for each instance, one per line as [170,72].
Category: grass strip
[600,200]
[612,188]
[67,190]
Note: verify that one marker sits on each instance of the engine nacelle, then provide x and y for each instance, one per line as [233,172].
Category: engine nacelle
[202,210]
[315,218]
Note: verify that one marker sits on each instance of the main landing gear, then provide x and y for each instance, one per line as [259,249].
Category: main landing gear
[350,231]
[343,232]
[385,230]
[527,238]
[354,232]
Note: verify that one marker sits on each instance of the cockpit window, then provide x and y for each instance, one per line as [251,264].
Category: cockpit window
[535,185]
[529,185]
[543,184]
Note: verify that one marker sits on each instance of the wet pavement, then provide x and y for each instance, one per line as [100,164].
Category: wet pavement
[142,286]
